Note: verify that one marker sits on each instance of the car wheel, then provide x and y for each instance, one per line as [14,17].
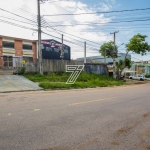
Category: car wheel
[130,77]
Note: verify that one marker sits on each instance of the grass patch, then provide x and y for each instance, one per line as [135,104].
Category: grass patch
[147,75]
[58,80]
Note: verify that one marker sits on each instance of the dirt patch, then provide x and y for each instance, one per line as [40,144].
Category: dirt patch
[88,143]
[3,95]
[146,114]
[128,128]
[136,82]
[125,129]
[148,147]
[115,143]
[147,133]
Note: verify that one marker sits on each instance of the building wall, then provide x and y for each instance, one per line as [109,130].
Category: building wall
[17,50]
[141,68]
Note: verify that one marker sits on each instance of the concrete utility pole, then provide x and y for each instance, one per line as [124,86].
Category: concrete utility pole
[39,38]
[114,52]
[84,52]
[62,48]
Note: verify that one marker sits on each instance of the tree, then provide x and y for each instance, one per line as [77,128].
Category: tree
[120,66]
[107,49]
[138,44]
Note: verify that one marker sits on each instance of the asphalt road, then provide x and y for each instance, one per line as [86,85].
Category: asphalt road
[115,118]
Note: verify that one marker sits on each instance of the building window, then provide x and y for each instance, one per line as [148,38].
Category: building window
[7,44]
[27,47]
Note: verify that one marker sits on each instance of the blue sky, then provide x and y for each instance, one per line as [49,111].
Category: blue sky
[131,28]
[121,4]
[74,36]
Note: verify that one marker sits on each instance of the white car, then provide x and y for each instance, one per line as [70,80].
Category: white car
[138,77]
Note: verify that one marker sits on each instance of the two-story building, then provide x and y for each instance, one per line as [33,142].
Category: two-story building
[14,49]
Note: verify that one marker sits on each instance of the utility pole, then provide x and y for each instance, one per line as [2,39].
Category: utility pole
[114,52]
[39,38]
[84,52]
[62,48]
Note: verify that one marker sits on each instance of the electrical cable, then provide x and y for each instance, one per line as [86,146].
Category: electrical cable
[104,12]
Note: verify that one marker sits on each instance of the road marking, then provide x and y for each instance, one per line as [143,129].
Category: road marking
[9,114]
[91,101]
[37,109]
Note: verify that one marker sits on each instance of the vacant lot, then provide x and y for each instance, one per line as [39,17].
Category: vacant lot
[58,80]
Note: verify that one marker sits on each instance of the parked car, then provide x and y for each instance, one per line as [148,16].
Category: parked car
[138,77]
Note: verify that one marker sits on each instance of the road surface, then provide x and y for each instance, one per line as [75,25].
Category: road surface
[113,118]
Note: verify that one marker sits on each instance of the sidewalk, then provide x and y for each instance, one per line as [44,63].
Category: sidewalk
[16,83]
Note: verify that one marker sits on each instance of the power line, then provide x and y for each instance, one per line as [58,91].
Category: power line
[17,20]
[36,30]
[17,15]
[43,24]
[21,26]
[116,11]
[96,23]
[27,27]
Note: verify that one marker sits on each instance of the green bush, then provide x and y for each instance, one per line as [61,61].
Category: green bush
[147,75]
[21,71]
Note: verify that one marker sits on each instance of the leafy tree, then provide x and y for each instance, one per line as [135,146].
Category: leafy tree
[121,65]
[138,44]
[109,49]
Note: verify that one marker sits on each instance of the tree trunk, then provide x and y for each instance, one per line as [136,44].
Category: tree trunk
[124,63]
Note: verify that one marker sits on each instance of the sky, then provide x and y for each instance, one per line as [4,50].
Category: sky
[18,19]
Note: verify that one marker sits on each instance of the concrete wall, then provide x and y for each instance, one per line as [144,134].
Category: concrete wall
[49,65]
[96,68]
[60,65]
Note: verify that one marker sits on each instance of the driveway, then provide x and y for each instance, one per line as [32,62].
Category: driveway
[14,83]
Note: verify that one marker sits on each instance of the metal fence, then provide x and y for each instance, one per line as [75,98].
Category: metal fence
[11,63]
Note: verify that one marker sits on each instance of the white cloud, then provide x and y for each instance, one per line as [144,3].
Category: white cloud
[60,8]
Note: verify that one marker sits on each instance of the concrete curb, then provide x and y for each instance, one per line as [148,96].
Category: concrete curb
[22,91]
